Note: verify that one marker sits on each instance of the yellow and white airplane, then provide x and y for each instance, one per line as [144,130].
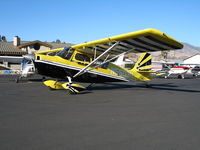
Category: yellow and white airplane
[92,61]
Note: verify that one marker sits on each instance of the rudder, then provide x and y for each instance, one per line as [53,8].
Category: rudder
[142,69]
[143,63]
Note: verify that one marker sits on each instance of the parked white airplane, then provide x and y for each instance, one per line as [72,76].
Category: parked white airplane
[26,64]
[181,71]
[172,68]
[124,62]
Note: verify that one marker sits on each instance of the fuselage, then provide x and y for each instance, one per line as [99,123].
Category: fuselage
[59,66]
[178,70]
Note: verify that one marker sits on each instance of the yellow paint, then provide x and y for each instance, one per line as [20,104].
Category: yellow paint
[53,84]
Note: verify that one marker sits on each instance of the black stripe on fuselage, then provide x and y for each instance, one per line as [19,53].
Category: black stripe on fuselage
[62,73]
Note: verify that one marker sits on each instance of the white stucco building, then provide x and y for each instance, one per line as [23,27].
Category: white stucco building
[192,61]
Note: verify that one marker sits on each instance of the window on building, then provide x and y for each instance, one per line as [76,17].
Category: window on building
[36,46]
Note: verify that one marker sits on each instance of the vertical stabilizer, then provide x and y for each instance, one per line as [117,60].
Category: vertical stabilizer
[143,63]
[142,69]
[119,61]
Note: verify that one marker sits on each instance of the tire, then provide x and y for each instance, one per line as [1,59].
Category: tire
[180,76]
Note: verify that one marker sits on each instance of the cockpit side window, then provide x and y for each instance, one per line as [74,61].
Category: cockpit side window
[82,57]
[69,54]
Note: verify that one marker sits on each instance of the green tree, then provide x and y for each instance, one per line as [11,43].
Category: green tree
[3,38]
[58,41]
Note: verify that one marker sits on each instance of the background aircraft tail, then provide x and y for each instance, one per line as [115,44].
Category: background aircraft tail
[119,61]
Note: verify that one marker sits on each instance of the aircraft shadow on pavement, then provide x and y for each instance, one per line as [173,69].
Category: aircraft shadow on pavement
[165,86]
[111,85]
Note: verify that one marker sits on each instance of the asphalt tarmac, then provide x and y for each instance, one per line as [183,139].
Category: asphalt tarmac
[111,116]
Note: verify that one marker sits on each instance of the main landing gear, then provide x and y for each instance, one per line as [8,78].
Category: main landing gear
[181,76]
[18,79]
[71,87]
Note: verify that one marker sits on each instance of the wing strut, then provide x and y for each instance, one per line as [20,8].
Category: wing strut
[96,59]
[111,59]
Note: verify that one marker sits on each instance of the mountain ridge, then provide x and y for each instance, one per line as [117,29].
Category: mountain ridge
[179,55]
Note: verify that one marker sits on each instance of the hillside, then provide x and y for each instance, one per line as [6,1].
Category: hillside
[187,51]
[176,55]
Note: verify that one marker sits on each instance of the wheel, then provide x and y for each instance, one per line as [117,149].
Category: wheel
[194,75]
[180,77]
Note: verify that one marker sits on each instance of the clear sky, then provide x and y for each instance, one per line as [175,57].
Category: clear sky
[77,21]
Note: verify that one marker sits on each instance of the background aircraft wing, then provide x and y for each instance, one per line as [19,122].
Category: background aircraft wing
[8,69]
[11,59]
[148,40]
[2,67]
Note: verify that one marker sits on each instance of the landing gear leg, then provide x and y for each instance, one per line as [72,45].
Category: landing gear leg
[18,79]
[167,76]
[69,85]
[73,88]
[69,79]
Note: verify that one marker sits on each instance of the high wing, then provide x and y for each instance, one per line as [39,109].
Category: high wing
[148,40]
